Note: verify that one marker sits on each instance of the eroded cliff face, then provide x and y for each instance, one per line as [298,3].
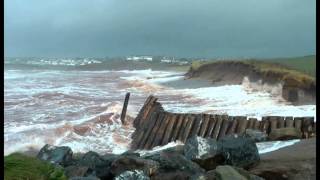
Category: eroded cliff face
[293,92]
[300,91]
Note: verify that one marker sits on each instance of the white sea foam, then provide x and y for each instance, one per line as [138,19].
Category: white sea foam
[38,104]
[264,147]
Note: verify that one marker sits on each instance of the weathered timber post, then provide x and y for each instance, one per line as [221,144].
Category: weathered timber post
[124,108]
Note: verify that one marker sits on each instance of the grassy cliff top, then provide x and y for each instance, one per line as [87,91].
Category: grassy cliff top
[290,70]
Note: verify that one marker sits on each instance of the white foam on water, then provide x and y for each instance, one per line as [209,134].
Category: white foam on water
[234,100]
[264,147]
[67,99]
[159,148]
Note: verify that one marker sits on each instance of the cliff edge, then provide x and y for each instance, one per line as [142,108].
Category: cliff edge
[297,87]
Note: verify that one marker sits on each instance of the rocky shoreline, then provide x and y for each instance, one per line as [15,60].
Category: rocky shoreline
[232,157]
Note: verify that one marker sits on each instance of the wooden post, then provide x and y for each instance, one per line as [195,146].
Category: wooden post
[124,108]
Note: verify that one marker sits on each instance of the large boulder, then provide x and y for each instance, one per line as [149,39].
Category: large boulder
[57,155]
[77,171]
[285,134]
[132,175]
[239,151]
[91,164]
[129,163]
[99,166]
[173,162]
[255,135]
[204,152]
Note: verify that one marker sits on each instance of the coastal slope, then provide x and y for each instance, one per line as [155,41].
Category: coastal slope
[296,86]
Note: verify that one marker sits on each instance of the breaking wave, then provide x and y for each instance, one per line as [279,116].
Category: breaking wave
[81,108]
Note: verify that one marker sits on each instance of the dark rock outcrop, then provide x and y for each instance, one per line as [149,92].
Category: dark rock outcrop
[130,163]
[285,134]
[232,150]
[77,171]
[98,165]
[61,155]
[203,151]
[239,151]
[174,162]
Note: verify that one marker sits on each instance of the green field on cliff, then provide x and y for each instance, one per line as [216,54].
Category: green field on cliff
[305,64]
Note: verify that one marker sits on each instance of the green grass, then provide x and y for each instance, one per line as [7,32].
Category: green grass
[21,167]
[282,70]
[305,64]
[293,71]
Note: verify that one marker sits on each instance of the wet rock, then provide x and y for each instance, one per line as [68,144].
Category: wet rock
[132,175]
[204,152]
[172,162]
[172,175]
[228,172]
[211,175]
[285,134]
[128,163]
[77,171]
[255,135]
[99,165]
[198,148]
[58,155]
[239,151]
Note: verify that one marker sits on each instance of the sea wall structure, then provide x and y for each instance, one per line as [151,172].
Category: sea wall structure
[155,126]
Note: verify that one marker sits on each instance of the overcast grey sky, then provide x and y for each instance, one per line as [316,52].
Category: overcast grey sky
[185,28]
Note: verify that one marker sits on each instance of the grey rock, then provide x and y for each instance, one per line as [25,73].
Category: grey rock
[255,135]
[239,151]
[285,134]
[203,151]
[98,165]
[170,162]
[76,171]
[129,163]
[61,155]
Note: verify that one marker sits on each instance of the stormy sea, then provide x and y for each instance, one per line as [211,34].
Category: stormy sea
[77,102]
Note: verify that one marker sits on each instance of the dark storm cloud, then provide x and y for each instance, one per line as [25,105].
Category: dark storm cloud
[205,28]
